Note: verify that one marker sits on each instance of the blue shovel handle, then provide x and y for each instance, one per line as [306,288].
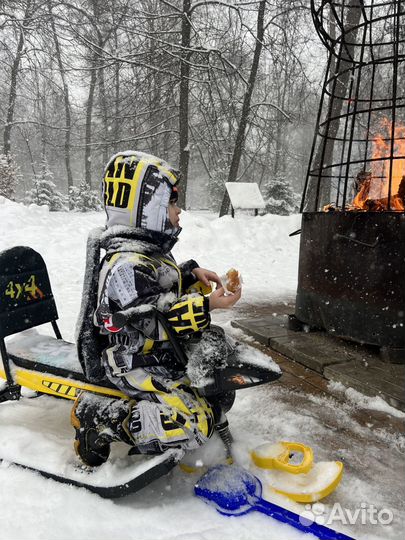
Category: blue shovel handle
[293,519]
[234,491]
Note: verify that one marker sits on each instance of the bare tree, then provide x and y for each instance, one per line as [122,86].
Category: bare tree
[66,98]
[193,81]
[28,9]
[240,136]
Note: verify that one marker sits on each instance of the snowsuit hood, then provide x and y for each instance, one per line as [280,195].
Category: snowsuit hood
[137,188]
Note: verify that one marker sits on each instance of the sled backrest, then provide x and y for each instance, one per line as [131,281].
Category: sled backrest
[26,298]
[90,343]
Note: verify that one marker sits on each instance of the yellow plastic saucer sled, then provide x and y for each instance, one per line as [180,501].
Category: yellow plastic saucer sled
[303,482]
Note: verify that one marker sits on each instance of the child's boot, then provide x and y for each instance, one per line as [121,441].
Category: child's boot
[98,421]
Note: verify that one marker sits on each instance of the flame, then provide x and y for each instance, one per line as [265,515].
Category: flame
[373,187]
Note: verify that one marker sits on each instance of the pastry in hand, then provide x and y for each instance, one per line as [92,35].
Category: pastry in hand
[232,281]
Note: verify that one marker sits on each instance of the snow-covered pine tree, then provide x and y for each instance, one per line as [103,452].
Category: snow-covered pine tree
[84,199]
[43,191]
[8,176]
[280,197]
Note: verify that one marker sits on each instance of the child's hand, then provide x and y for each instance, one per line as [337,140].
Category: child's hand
[206,276]
[218,300]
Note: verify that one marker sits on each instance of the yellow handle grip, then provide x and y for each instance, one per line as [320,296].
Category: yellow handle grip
[281,462]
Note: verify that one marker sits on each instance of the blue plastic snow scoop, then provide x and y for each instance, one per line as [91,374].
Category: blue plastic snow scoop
[234,491]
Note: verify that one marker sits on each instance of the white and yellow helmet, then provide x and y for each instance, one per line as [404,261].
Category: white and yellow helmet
[137,189]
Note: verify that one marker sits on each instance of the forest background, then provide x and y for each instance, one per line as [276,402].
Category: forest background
[224,90]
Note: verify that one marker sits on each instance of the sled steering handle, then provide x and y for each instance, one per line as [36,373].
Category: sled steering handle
[121,318]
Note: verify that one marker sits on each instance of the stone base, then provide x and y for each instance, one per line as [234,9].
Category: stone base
[353,365]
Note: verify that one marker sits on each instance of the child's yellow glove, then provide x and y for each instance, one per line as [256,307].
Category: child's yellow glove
[200,288]
[189,314]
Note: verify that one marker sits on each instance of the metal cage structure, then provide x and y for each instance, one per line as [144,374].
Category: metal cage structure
[352,253]
[358,154]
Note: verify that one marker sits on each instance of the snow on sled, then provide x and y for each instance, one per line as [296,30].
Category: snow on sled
[119,482]
[52,366]
[49,365]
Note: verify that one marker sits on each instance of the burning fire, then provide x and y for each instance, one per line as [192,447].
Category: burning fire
[373,187]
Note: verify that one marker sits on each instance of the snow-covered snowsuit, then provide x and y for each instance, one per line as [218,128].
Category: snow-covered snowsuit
[139,275]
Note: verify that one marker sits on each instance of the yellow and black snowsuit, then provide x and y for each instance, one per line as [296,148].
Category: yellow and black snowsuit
[139,272]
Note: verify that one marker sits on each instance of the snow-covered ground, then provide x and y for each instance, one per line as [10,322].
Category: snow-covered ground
[260,248]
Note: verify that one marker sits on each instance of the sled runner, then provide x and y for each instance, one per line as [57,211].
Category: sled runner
[135,477]
[50,365]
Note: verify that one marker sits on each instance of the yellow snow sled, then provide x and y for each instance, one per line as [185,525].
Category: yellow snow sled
[303,481]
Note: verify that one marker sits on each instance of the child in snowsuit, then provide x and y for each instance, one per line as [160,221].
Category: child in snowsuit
[138,277]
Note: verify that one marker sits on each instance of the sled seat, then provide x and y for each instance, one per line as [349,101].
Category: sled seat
[46,354]
[49,365]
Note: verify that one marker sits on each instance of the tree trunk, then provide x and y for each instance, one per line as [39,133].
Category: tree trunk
[279,158]
[184,151]
[89,113]
[43,110]
[104,112]
[117,94]
[240,136]
[32,162]
[13,83]
[66,101]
